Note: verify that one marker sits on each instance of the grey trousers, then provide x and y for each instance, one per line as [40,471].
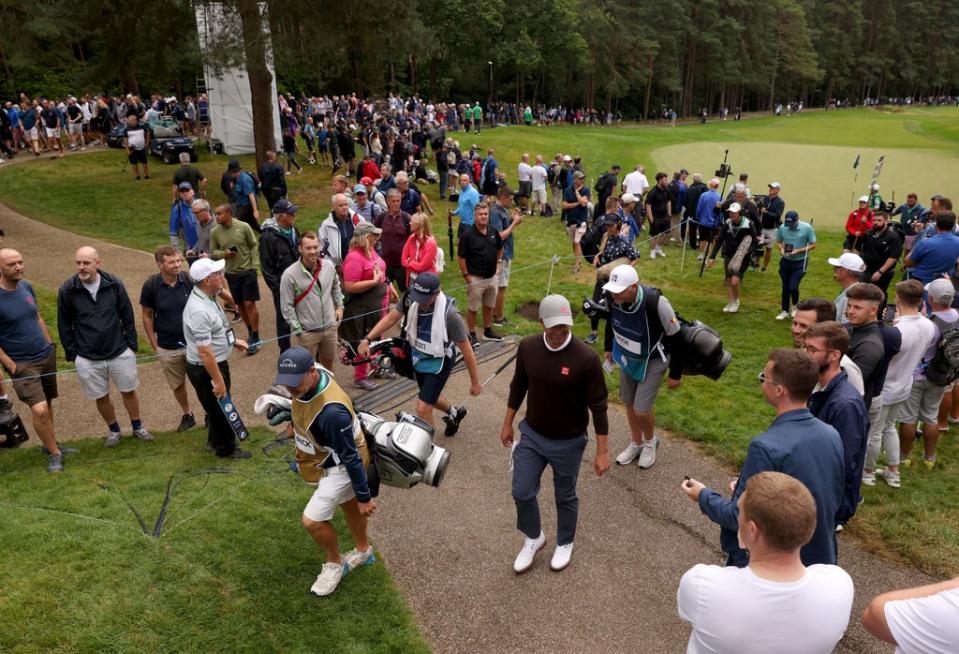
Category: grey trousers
[533,453]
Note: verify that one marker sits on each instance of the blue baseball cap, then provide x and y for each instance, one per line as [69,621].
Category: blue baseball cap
[284,206]
[425,286]
[294,362]
[792,217]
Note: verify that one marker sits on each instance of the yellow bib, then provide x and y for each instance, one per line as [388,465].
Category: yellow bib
[310,455]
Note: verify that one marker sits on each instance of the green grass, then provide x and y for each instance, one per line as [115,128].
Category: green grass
[89,195]
[230,571]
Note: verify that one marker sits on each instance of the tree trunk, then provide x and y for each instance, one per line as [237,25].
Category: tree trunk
[650,59]
[433,75]
[261,80]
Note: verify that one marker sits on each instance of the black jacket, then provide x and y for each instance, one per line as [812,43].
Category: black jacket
[730,237]
[692,198]
[277,253]
[95,330]
[273,180]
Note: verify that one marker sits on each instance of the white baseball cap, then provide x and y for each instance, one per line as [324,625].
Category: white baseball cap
[864,198]
[203,268]
[554,310]
[626,198]
[622,277]
[735,208]
[775,185]
[941,291]
[849,261]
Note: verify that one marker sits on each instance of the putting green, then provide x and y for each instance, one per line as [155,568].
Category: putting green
[817,180]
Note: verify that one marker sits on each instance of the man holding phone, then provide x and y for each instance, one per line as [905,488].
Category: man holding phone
[794,239]
[235,242]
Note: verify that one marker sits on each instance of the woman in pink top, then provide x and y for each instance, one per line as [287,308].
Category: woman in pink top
[364,280]
[419,253]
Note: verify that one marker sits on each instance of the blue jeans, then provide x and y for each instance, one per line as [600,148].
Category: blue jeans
[533,453]
[791,273]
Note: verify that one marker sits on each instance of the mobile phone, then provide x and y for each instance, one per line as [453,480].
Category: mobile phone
[234,250]
[608,367]
[789,248]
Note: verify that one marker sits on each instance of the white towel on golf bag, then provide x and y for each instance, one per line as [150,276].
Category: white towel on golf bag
[438,337]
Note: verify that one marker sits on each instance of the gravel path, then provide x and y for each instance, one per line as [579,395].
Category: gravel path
[450,549]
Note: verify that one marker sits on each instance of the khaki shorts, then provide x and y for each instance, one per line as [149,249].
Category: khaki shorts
[333,489]
[502,279]
[539,196]
[95,376]
[923,403]
[173,365]
[482,292]
[576,232]
[322,344]
[41,385]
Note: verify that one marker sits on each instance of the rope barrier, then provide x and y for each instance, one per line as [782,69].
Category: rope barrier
[553,260]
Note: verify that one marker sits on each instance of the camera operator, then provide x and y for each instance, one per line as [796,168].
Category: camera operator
[331,452]
[639,338]
[771,208]
[733,241]
[911,220]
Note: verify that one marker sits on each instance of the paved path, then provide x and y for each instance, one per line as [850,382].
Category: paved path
[450,549]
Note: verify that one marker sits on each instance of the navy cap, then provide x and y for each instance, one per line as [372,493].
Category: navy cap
[284,206]
[425,286]
[185,186]
[294,362]
[233,165]
[792,217]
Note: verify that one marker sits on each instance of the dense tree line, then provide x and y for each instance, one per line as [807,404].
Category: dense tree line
[607,54]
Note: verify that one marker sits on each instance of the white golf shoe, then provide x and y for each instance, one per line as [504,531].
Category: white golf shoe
[531,546]
[561,556]
[648,456]
[631,452]
[327,581]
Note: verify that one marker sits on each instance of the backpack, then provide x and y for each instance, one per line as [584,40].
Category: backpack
[551,174]
[944,367]
[489,174]
[257,186]
[602,183]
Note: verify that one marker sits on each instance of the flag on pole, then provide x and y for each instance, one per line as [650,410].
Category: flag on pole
[855,164]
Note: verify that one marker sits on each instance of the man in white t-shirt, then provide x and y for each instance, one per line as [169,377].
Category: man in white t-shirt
[539,176]
[776,604]
[923,620]
[636,182]
[524,175]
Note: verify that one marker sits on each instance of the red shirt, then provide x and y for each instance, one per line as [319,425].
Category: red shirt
[396,229]
[859,222]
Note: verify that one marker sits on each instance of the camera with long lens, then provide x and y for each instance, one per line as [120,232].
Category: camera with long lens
[12,431]
[596,309]
[703,352]
[404,451]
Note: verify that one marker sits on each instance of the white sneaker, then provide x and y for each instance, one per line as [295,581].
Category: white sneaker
[652,254]
[782,315]
[648,456]
[524,560]
[869,479]
[327,581]
[355,558]
[700,257]
[631,452]
[793,312]
[561,556]
[660,252]
[734,306]
[726,308]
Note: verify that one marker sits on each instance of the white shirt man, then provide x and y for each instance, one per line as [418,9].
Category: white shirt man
[636,182]
[776,604]
[539,177]
[919,620]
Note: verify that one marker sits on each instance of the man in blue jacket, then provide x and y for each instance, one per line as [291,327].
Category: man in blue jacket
[838,404]
[797,444]
[182,220]
[932,257]
[708,217]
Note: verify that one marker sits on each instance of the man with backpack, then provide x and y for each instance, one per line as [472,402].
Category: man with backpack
[490,176]
[639,338]
[605,186]
[244,192]
[937,371]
